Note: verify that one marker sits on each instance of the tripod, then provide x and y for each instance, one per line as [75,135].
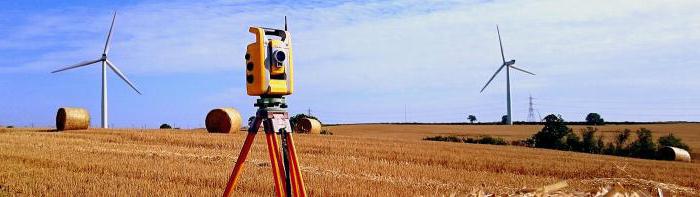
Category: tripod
[272,113]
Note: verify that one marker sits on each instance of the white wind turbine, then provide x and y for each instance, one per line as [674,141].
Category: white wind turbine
[105,63]
[510,64]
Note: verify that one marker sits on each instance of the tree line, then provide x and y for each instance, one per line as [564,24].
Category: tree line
[557,135]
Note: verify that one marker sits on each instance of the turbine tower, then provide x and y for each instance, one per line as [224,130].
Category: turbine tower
[509,64]
[105,63]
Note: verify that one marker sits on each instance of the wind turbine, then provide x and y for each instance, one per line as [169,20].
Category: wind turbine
[510,64]
[105,63]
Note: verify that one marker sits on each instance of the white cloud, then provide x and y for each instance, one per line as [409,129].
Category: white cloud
[445,49]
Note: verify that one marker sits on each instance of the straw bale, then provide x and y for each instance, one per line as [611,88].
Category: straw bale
[71,118]
[674,154]
[308,125]
[223,120]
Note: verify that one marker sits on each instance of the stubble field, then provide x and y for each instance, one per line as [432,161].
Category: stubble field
[359,160]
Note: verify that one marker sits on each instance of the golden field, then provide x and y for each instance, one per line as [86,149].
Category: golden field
[358,160]
[690,132]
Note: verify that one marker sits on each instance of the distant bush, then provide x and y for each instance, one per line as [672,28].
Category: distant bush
[589,142]
[520,143]
[671,140]
[600,144]
[250,120]
[486,139]
[644,146]
[620,142]
[445,138]
[9,127]
[326,132]
[573,142]
[610,149]
[165,126]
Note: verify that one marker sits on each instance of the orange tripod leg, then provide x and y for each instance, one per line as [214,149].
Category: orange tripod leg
[297,180]
[280,163]
[239,164]
[277,173]
[292,175]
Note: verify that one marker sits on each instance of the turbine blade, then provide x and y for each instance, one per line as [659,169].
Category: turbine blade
[121,75]
[109,35]
[494,75]
[501,44]
[81,64]
[516,68]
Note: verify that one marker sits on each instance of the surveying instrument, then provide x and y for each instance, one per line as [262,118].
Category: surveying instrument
[269,75]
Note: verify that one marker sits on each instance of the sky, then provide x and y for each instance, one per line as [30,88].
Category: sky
[356,61]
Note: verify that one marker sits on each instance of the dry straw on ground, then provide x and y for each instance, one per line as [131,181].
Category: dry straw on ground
[617,188]
[308,125]
[223,120]
[359,160]
[71,118]
[674,154]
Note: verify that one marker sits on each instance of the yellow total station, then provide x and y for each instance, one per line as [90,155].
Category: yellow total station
[269,67]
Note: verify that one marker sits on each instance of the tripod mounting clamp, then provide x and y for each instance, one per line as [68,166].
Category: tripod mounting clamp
[270,102]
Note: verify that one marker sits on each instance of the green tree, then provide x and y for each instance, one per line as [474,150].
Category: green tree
[610,149]
[601,144]
[250,120]
[471,118]
[671,140]
[620,141]
[165,126]
[644,146]
[504,119]
[552,134]
[594,119]
[573,142]
[589,142]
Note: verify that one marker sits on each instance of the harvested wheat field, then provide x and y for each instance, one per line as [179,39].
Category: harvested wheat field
[359,160]
[690,132]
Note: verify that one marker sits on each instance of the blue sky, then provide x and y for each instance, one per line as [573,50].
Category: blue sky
[356,61]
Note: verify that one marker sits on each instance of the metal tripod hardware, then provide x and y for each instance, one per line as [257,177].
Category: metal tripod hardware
[272,113]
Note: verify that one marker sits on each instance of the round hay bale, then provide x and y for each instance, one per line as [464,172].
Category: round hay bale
[72,118]
[674,154]
[223,120]
[308,125]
